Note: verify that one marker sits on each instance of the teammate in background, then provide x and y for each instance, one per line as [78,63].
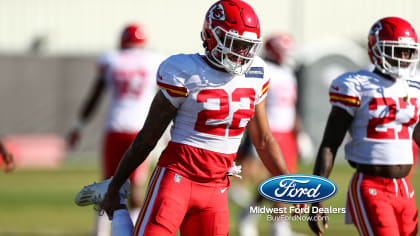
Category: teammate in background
[284,124]
[7,157]
[210,98]
[380,109]
[128,74]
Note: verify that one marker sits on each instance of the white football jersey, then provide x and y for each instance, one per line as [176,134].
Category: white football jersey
[384,116]
[214,107]
[130,77]
[282,98]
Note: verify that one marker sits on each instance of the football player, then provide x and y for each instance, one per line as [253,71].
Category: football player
[284,124]
[210,98]
[128,74]
[380,109]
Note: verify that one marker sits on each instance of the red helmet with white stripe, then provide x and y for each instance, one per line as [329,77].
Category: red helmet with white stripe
[231,35]
[393,47]
[133,35]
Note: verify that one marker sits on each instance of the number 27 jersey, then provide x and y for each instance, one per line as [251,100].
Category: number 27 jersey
[384,115]
[214,106]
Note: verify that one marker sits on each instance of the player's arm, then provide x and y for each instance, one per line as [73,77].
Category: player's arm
[264,142]
[93,99]
[87,108]
[160,115]
[339,121]
[7,157]
[416,134]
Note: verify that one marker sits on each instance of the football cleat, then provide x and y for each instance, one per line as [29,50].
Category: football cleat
[94,194]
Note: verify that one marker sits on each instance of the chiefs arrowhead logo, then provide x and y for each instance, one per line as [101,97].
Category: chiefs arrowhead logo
[217,12]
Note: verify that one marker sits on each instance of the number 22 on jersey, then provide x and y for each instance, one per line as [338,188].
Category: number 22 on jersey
[222,113]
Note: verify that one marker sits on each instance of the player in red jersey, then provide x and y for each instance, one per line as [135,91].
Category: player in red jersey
[210,99]
[128,74]
[7,157]
[380,109]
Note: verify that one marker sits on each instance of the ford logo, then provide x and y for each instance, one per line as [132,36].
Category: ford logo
[297,188]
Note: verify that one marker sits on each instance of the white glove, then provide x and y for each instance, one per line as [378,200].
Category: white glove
[234,171]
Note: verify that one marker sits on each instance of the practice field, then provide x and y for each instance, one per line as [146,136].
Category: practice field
[40,202]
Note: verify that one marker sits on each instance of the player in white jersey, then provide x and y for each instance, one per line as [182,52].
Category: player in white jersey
[210,98]
[284,124]
[380,109]
[128,74]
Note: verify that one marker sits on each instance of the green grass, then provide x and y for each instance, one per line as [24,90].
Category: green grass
[40,202]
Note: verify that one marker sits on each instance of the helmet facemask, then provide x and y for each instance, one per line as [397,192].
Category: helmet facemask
[234,52]
[389,59]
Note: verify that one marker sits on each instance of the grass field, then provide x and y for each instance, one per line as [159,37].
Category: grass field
[40,202]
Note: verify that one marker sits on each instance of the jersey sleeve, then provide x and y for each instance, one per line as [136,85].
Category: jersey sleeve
[264,91]
[170,81]
[259,71]
[103,63]
[343,93]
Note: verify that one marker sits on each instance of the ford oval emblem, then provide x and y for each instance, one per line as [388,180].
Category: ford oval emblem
[297,188]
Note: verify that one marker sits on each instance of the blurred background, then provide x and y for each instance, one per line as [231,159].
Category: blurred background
[48,50]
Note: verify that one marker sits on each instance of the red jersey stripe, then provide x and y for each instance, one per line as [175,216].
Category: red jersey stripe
[345,99]
[265,88]
[174,91]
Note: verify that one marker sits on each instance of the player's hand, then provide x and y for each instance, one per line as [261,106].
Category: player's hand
[73,138]
[314,218]
[111,203]
[9,161]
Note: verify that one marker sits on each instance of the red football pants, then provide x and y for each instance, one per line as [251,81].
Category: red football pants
[289,149]
[382,206]
[175,202]
[114,147]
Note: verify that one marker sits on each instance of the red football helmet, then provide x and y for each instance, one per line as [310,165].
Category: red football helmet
[231,35]
[133,35]
[389,38]
[277,46]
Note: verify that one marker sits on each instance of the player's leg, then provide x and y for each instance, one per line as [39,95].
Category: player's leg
[121,223]
[115,146]
[209,213]
[94,194]
[206,223]
[370,201]
[407,208]
[289,149]
[109,165]
[240,192]
[165,204]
